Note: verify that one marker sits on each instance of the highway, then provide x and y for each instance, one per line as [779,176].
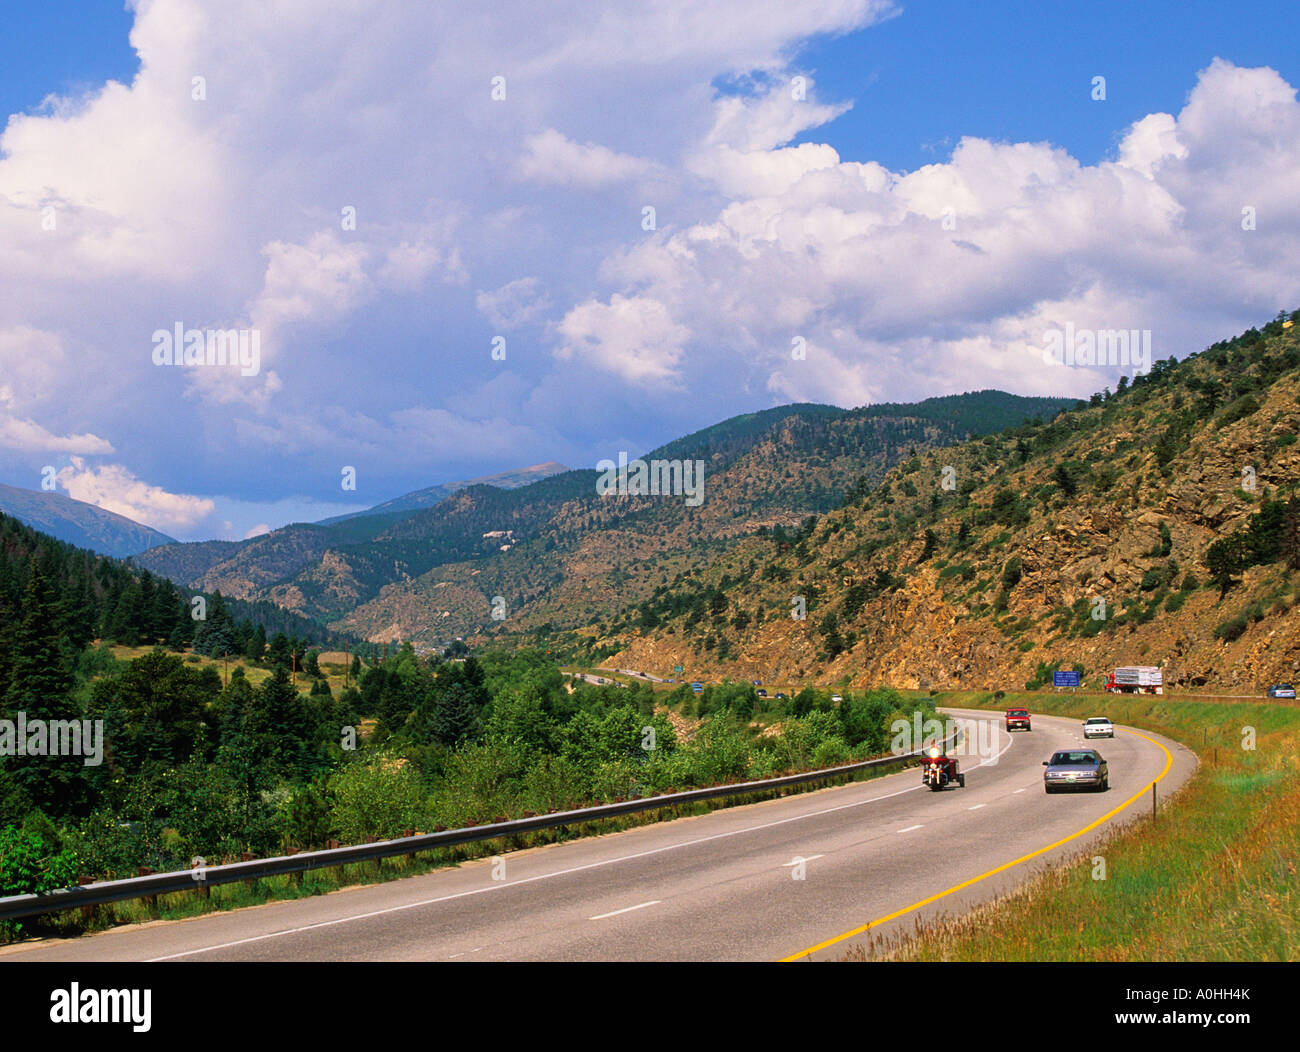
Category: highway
[724,886]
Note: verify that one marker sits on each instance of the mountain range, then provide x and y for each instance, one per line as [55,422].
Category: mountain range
[79,523]
[554,549]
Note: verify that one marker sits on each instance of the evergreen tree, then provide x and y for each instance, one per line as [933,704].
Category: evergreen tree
[279,653]
[38,688]
[277,723]
[455,716]
[215,635]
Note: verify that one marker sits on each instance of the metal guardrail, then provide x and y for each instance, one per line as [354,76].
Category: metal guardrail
[190,879]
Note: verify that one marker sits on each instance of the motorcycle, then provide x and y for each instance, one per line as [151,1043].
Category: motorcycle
[937,770]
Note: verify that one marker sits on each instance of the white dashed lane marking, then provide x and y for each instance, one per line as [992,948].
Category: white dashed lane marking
[626,909]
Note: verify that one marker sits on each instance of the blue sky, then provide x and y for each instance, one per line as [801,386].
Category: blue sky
[944,195]
[1022,71]
[1013,71]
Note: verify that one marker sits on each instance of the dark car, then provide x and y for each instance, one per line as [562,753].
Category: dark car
[780,695]
[762,693]
[1076,769]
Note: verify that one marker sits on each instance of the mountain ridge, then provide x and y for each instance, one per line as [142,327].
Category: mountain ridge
[80,523]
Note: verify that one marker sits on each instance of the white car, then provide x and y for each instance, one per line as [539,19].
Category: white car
[1098,727]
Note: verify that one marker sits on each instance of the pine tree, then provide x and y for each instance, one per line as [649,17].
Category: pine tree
[39,686]
[279,653]
[455,719]
[277,723]
[215,635]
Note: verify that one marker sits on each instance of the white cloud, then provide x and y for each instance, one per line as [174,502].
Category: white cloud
[226,212]
[549,157]
[632,336]
[27,436]
[514,304]
[113,488]
[945,278]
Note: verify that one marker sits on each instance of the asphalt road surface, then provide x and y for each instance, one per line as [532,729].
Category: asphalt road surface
[790,878]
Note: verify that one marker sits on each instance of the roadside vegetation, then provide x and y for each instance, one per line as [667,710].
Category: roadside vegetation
[257,765]
[1214,878]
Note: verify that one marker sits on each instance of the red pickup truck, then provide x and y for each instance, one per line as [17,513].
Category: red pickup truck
[1018,720]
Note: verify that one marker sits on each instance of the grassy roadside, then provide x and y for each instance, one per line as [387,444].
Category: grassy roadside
[1215,878]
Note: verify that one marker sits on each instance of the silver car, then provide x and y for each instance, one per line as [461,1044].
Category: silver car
[1076,769]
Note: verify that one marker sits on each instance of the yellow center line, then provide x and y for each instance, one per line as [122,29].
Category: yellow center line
[1169,762]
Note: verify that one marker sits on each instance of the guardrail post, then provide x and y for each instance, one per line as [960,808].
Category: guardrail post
[199,886]
[1153,801]
[296,875]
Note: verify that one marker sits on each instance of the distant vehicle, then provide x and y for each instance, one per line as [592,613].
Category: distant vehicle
[937,770]
[758,682]
[1281,690]
[762,693]
[1136,679]
[1098,727]
[780,695]
[697,687]
[1075,769]
[1018,720]
[836,697]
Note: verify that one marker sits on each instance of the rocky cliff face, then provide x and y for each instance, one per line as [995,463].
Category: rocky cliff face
[1080,543]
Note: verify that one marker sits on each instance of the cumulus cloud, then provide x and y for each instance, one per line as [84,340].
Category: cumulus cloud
[355,193]
[549,157]
[947,277]
[632,336]
[113,488]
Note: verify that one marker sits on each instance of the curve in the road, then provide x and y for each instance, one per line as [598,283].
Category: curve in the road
[715,886]
[879,921]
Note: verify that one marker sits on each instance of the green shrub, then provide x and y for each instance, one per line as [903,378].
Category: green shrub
[1239,410]
[31,863]
[1232,628]
[379,798]
[831,752]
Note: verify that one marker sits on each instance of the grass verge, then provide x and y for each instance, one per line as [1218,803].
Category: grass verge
[1213,879]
